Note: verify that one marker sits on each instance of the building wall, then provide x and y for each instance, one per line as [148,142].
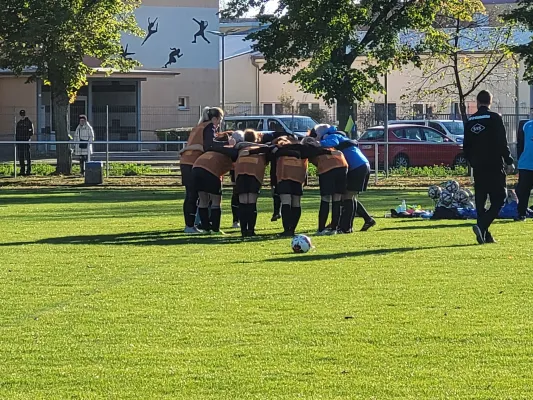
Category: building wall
[15,95]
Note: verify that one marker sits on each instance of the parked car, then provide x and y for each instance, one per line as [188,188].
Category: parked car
[454,129]
[295,124]
[412,145]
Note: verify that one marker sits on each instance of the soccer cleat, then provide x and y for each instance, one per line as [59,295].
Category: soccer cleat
[322,232]
[489,238]
[520,219]
[331,232]
[235,225]
[275,217]
[251,234]
[479,234]
[287,234]
[193,230]
[368,225]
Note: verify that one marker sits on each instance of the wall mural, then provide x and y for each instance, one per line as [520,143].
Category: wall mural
[172,28]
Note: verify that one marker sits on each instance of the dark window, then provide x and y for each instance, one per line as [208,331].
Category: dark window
[380,112]
[279,109]
[373,135]
[267,109]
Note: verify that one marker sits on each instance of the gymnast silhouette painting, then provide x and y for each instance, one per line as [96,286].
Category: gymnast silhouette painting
[172,56]
[151,29]
[203,26]
[125,53]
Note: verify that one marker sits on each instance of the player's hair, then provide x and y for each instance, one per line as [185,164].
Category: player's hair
[211,112]
[484,97]
[312,133]
[251,136]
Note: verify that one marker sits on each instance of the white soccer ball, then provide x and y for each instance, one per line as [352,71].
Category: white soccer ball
[446,199]
[461,196]
[452,186]
[470,194]
[301,244]
[434,192]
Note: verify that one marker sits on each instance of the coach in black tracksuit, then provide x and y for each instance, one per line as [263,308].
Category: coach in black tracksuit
[23,133]
[485,147]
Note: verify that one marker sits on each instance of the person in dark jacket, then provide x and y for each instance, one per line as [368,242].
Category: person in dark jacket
[24,132]
[485,147]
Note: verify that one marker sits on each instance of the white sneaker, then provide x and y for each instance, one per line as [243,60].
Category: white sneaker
[331,232]
[236,225]
[193,230]
[322,233]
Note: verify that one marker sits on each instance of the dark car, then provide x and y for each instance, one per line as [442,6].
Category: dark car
[412,146]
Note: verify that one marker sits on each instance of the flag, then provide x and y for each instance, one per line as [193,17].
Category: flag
[350,127]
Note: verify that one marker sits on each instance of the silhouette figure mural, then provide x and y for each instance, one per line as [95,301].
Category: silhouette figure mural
[151,29]
[125,53]
[172,56]
[201,32]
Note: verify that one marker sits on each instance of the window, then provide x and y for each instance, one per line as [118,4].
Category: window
[243,124]
[373,135]
[275,126]
[183,103]
[481,19]
[278,109]
[432,136]
[380,112]
[418,110]
[315,107]
[408,133]
[455,127]
[303,108]
[299,124]
[267,109]
[437,126]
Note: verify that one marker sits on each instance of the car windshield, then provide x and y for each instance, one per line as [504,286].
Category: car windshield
[372,135]
[298,124]
[454,127]
[243,124]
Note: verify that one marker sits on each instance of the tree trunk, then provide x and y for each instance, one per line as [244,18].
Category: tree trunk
[60,102]
[344,111]
[462,109]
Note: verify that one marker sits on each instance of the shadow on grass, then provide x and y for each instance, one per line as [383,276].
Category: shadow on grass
[370,252]
[153,238]
[435,225]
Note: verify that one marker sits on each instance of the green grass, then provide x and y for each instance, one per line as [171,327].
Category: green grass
[103,297]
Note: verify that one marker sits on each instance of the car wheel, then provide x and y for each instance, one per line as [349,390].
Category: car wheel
[401,160]
[460,161]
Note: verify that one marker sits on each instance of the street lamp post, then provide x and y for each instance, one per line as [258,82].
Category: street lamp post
[223,36]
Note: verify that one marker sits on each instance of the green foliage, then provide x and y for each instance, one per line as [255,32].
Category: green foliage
[437,171]
[118,169]
[523,16]
[329,35]
[462,54]
[115,169]
[320,115]
[55,37]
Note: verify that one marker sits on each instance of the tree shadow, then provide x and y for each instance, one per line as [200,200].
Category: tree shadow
[371,252]
[150,238]
[434,225]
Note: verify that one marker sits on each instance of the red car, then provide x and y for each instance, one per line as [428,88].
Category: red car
[412,146]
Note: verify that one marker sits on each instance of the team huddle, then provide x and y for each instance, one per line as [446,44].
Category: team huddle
[209,155]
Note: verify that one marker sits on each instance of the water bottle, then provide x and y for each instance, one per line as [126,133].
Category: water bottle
[403,207]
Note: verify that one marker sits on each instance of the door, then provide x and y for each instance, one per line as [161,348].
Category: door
[436,152]
[79,107]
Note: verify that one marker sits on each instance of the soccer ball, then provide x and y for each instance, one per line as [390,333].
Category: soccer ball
[434,192]
[470,194]
[301,244]
[461,196]
[452,186]
[446,199]
[468,205]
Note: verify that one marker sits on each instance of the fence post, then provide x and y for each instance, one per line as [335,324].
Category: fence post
[166,140]
[15,147]
[376,163]
[107,141]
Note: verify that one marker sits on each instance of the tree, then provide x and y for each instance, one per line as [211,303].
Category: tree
[329,35]
[287,102]
[463,53]
[53,37]
[523,15]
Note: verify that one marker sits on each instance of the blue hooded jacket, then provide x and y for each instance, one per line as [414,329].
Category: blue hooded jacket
[353,155]
[526,159]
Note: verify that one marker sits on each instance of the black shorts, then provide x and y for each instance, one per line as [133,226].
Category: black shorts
[247,184]
[289,187]
[333,182]
[205,181]
[187,178]
[232,176]
[358,179]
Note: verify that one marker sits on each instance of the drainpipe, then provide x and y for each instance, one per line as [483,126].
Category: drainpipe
[257,82]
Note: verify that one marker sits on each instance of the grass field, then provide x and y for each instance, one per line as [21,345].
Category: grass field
[103,297]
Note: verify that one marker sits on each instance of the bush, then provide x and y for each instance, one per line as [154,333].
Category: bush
[116,169]
[173,135]
[437,171]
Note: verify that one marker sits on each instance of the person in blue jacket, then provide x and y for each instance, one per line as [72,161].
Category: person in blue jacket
[525,172]
[357,179]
